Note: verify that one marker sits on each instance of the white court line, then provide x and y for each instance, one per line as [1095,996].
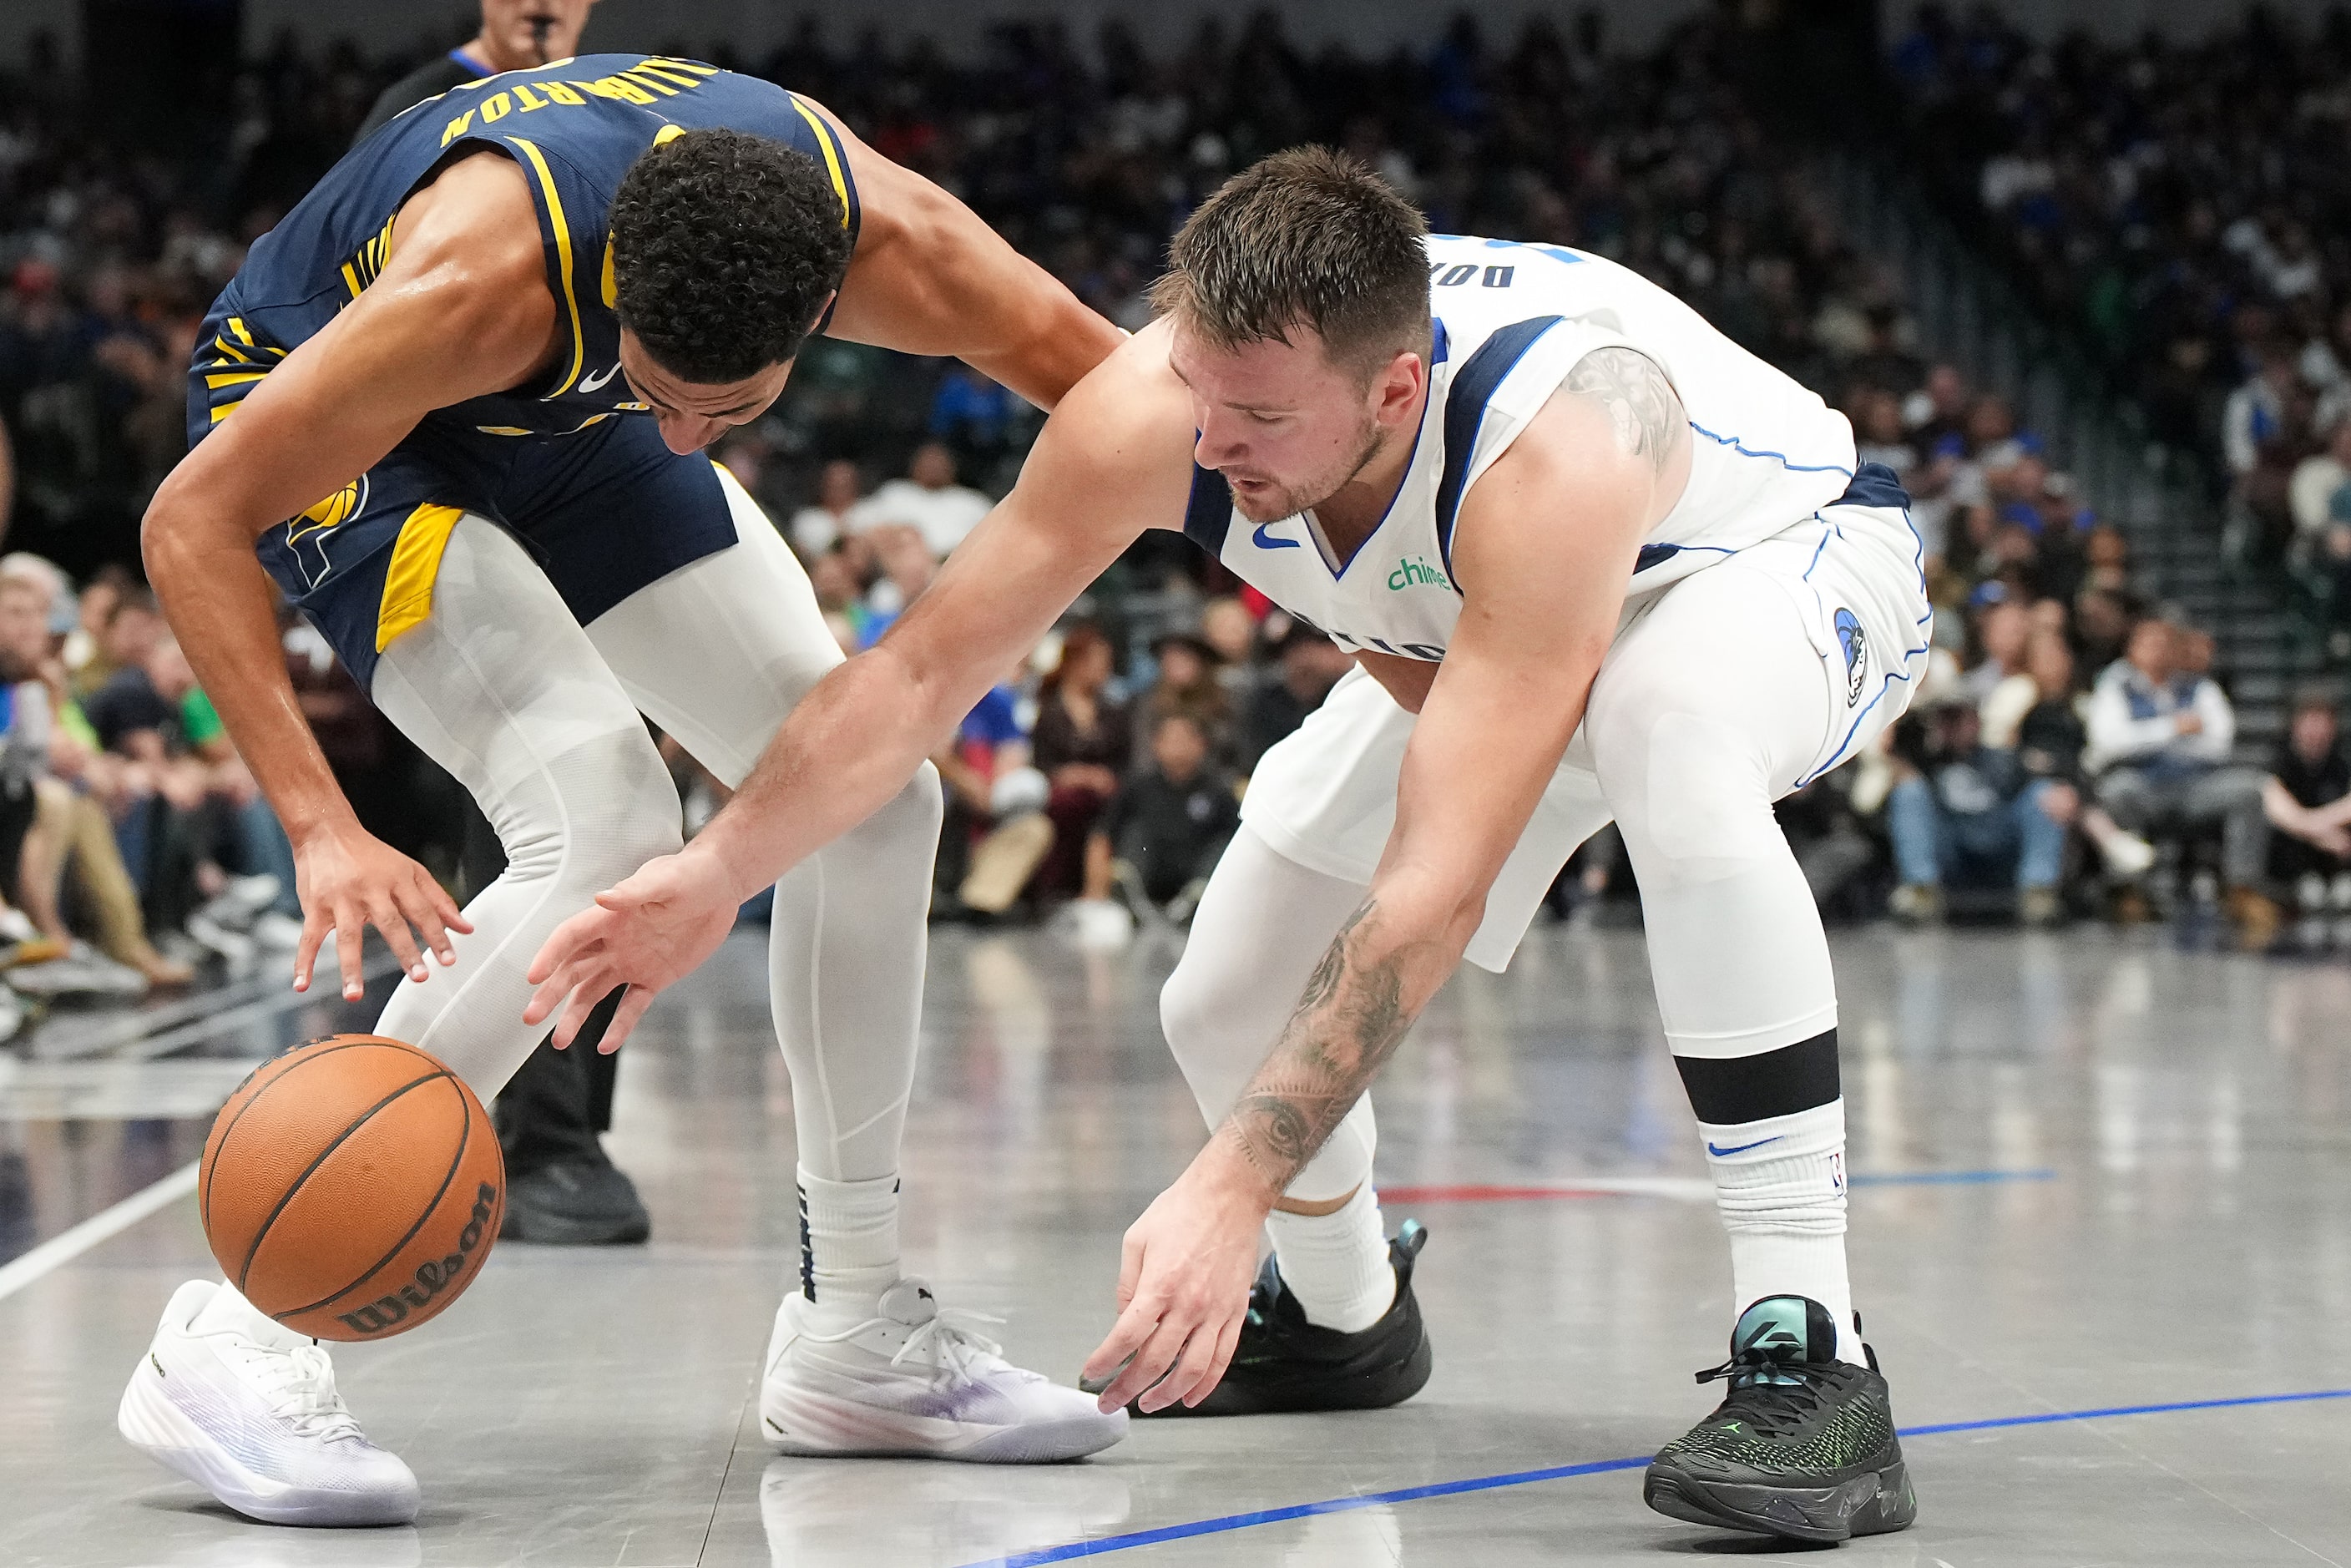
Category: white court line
[73,1243]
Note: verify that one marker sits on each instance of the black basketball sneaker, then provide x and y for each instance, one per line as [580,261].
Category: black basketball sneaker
[1284,1365]
[1803,1446]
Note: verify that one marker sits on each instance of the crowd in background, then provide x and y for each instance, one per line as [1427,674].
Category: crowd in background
[2068,754]
[2180,206]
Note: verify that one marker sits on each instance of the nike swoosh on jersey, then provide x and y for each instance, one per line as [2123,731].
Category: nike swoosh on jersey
[596,384]
[1743,1148]
[1264,540]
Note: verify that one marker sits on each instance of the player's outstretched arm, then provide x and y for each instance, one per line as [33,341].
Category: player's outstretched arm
[929,278]
[1116,453]
[1542,552]
[461,308]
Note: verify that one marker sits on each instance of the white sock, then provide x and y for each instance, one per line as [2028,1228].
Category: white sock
[228,1310]
[1780,1188]
[1336,1264]
[849,1240]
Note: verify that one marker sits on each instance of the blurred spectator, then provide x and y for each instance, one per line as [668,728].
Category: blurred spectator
[2050,738]
[907,567]
[2003,627]
[928,499]
[815,529]
[995,831]
[1188,683]
[1973,814]
[2159,744]
[1169,825]
[2310,494]
[1082,744]
[2308,798]
[515,35]
[1307,665]
[71,786]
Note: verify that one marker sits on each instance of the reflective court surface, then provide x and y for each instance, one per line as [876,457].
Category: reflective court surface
[2101,1229]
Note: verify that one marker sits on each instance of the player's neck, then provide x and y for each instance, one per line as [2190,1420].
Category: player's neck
[1356,508]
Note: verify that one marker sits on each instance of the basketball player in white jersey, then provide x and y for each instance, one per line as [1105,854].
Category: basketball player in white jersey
[1596,563]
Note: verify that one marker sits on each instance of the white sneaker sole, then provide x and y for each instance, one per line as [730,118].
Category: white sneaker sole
[803,1422]
[150,1422]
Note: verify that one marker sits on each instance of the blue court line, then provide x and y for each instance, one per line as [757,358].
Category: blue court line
[1109,1543]
[1949,1179]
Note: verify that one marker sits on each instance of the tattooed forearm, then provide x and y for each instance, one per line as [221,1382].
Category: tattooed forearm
[1348,1022]
[1647,412]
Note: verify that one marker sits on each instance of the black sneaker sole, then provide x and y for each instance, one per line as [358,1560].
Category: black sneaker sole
[1374,1389]
[1871,1504]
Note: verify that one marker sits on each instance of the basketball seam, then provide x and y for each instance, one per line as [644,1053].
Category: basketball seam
[464,1141]
[246,1268]
[205,1200]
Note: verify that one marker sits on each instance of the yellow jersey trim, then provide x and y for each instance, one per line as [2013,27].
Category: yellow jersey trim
[415,562]
[831,156]
[563,259]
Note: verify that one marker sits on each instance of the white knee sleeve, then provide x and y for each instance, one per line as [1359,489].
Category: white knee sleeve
[1263,924]
[501,687]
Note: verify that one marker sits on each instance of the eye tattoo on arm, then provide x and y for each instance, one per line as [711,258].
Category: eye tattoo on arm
[1348,1022]
[1645,408]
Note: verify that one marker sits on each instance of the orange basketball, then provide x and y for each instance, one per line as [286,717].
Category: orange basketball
[351,1187]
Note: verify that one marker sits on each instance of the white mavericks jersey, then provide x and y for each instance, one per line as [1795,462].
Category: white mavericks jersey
[1511,322]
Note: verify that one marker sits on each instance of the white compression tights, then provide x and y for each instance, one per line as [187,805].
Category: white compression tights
[538,718]
[1707,708]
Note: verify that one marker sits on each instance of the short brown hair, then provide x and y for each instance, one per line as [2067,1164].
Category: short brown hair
[1308,237]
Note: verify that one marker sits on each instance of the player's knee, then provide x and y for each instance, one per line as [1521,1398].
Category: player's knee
[592,813]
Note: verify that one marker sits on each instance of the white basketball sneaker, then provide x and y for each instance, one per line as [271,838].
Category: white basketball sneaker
[914,1380]
[250,1414]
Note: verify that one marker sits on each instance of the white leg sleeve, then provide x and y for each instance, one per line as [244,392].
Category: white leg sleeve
[1263,924]
[1707,711]
[501,687]
[716,653]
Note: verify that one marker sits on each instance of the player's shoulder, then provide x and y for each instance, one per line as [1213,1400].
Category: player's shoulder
[475,223]
[1123,430]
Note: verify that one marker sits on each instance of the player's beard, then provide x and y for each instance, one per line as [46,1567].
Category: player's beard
[1288,501]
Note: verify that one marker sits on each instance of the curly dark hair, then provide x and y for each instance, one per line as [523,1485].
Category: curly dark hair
[723,248]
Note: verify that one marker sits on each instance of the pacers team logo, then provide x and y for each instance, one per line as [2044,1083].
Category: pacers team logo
[1856,653]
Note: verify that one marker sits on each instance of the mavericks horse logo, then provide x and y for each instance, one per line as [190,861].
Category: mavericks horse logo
[1856,653]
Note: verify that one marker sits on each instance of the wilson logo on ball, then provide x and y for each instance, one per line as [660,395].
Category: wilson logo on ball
[432,1275]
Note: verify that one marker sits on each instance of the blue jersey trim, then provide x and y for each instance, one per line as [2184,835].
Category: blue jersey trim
[1474,385]
[1208,515]
[1782,458]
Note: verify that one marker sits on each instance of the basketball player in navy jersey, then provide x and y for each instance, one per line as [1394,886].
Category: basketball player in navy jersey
[1596,562]
[454,407]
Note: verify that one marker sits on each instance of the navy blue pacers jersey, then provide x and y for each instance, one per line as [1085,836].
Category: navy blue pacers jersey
[569,465]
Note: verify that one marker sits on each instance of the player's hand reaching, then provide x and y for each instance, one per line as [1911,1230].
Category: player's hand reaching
[652,930]
[1183,1292]
[348,880]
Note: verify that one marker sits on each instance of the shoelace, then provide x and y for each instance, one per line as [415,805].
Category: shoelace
[951,1337]
[300,1385]
[1775,1408]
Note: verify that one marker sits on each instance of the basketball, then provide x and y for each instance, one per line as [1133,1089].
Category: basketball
[351,1187]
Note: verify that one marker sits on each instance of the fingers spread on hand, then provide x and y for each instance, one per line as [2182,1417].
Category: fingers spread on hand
[388,917]
[306,952]
[420,906]
[587,991]
[1135,1324]
[1140,1380]
[1227,1342]
[624,1018]
[349,924]
[563,944]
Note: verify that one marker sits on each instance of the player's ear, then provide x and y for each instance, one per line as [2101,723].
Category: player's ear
[1396,385]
